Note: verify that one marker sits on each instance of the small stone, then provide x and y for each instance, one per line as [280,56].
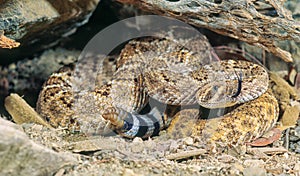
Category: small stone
[174,146]
[253,162]
[12,66]
[254,171]
[297,131]
[150,144]
[285,167]
[238,166]
[226,158]
[188,141]
[181,146]
[297,147]
[297,167]
[137,140]
[137,148]
[286,155]
[37,127]
[128,172]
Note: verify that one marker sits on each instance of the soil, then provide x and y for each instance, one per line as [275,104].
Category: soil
[161,156]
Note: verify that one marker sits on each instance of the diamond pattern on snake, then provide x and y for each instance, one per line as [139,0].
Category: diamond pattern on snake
[166,71]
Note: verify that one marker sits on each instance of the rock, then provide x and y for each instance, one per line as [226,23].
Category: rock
[174,146]
[216,17]
[297,168]
[21,156]
[137,140]
[128,172]
[31,74]
[254,162]
[188,141]
[295,147]
[297,131]
[257,171]
[9,124]
[137,147]
[41,24]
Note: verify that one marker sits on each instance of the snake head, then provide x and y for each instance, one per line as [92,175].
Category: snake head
[229,82]
[218,95]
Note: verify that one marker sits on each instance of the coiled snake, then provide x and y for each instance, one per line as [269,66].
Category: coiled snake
[172,74]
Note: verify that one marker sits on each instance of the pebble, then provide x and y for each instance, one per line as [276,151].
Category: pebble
[137,140]
[253,162]
[297,131]
[226,158]
[128,172]
[188,141]
[286,167]
[137,148]
[254,171]
[150,144]
[174,146]
[295,147]
[297,168]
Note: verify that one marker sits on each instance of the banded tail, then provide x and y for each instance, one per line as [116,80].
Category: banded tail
[135,125]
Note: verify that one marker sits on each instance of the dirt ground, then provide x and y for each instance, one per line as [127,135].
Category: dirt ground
[161,156]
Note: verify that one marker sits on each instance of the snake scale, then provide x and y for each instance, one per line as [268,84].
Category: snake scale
[174,75]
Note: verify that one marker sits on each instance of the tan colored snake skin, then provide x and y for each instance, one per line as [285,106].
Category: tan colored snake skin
[170,73]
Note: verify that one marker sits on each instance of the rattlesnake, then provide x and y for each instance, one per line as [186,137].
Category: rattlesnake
[167,71]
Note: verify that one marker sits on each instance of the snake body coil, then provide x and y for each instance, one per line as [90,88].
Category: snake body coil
[170,73]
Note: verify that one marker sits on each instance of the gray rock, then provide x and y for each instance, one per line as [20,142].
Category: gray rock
[297,131]
[41,24]
[21,156]
[257,171]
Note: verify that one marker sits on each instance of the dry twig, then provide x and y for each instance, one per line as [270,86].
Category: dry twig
[186,154]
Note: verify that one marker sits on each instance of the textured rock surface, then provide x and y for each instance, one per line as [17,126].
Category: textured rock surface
[40,24]
[20,156]
[256,22]
[31,74]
